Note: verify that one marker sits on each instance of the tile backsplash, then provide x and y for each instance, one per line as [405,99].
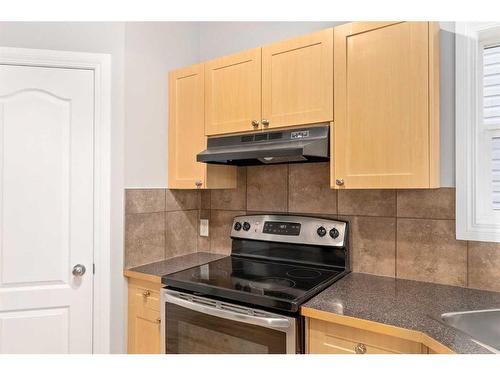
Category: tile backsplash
[160,224]
[408,234]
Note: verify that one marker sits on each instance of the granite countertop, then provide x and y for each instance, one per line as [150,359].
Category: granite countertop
[406,304]
[164,267]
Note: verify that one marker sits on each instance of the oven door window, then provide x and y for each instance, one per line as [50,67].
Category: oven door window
[192,332]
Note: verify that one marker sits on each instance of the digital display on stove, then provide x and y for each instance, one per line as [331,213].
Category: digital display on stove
[276,227]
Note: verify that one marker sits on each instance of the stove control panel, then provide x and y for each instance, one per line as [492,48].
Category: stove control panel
[291,229]
[282,228]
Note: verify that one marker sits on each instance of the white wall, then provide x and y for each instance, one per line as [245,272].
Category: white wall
[447,98]
[222,38]
[151,50]
[107,37]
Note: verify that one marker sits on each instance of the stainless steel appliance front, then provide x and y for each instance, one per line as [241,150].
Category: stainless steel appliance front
[194,324]
[296,145]
[308,233]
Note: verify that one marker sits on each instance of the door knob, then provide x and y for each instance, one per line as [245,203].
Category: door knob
[339,181]
[265,122]
[79,270]
[198,184]
[255,123]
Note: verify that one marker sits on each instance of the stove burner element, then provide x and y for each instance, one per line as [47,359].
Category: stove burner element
[303,273]
[272,283]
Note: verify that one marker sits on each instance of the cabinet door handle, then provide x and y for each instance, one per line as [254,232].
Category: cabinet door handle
[265,122]
[198,184]
[146,293]
[339,181]
[360,348]
[255,123]
[158,321]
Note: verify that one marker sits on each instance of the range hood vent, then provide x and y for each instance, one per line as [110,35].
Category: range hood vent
[309,144]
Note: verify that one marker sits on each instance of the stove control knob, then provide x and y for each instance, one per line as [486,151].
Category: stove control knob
[237,226]
[246,226]
[334,233]
[321,231]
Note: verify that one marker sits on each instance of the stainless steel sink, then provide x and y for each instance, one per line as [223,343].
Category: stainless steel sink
[482,325]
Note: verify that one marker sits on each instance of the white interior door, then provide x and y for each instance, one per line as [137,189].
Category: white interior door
[46,209]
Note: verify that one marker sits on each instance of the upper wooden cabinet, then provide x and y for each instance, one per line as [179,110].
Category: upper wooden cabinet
[233,93]
[297,80]
[377,81]
[386,105]
[186,134]
[282,84]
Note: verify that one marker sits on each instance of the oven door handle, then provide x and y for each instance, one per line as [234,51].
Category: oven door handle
[228,314]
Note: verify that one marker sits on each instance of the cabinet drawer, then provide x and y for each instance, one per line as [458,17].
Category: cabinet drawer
[331,338]
[337,345]
[146,298]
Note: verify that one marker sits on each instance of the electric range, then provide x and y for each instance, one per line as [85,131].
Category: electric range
[277,263]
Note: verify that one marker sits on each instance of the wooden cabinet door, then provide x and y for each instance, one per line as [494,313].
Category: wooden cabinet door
[297,80]
[186,135]
[233,93]
[143,317]
[386,106]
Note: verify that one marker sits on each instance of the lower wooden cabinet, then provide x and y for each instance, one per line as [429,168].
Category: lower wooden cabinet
[144,319]
[331,338]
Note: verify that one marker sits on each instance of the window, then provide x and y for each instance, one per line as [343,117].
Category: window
[478,131]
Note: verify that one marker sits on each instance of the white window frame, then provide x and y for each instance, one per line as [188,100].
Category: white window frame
[100,64]
[475,218]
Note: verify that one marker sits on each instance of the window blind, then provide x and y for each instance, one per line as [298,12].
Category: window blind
[491,85]
[491,113]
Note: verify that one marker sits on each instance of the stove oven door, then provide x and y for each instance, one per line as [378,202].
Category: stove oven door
[199,325]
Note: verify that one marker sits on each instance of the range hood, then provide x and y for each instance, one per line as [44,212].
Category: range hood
[308,144]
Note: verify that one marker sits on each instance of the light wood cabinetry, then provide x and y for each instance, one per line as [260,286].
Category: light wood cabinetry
[330,338]
[297,80]
[377,81]
[329,333]
[386,105]
[186,134]
[233,93]
[144,319]
[282,84]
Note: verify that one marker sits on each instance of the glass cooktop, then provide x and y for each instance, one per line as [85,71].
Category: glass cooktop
[279,285]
